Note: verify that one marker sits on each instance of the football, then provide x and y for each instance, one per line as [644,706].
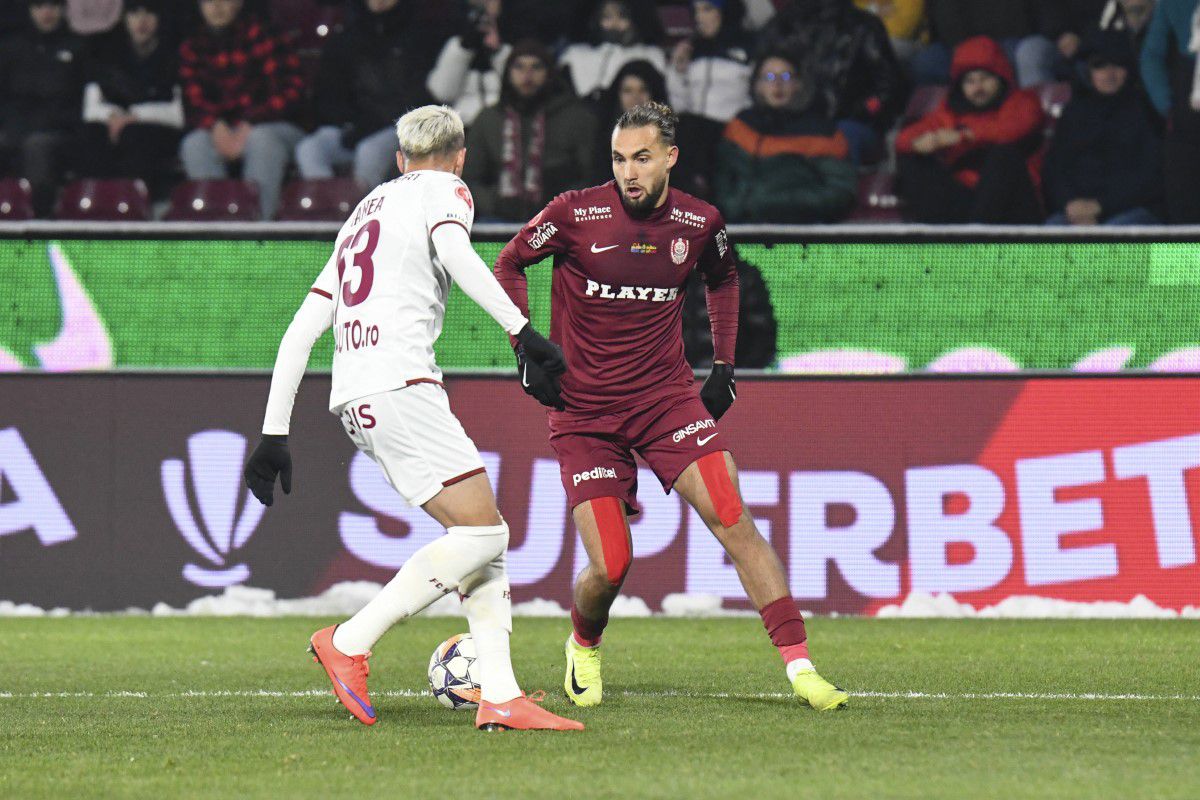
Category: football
[450,673]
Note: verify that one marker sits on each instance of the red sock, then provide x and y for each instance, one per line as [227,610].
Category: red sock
[786,628]
[587,632]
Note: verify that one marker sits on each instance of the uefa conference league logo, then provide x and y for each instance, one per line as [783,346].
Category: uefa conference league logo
[216,459]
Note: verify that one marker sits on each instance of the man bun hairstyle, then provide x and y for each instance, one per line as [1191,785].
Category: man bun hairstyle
[655,115]
[430,131]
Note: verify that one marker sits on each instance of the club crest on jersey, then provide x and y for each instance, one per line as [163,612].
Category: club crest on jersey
[679,250]
[542,234]
[464,194]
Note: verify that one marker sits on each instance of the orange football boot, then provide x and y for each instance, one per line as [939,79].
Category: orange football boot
[521,714]
[348,674]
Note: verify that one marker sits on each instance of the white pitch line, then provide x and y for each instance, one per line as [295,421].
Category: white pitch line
[410,693]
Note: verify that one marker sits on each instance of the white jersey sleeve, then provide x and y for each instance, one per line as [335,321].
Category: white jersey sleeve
[449,214]
[313,318]
[448,202]
[327,283]
[454,250]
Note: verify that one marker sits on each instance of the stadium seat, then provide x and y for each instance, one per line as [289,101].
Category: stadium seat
[16,199]
[328,200]
[877,200]
[214,201]
[112,200]
[923,101]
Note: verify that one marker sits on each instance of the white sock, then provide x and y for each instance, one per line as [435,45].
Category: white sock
[488,606]
[797,666]
[433,571]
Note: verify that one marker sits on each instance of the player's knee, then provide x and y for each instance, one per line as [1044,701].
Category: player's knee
[723,495]
[488,542]
[617,570]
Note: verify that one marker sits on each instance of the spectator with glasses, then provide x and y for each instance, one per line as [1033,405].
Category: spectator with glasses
[781,160]
[848,58]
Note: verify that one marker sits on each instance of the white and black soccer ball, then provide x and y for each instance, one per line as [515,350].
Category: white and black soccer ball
[450,673]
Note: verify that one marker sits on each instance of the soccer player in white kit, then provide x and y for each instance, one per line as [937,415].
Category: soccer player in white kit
[384,292]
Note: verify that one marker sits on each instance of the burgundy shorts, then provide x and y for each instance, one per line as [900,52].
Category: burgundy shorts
[595,451]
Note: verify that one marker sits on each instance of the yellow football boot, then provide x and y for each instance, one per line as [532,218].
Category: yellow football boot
[582,683]
[818,692]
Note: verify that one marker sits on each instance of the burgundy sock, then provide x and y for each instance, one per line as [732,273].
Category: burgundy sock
[785,626]
[587,632]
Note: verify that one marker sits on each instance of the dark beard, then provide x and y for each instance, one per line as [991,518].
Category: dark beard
[646,204]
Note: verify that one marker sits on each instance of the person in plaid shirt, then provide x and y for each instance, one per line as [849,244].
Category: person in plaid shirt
[242,89]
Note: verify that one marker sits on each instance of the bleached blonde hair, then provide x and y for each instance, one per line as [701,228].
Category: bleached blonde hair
[430,131]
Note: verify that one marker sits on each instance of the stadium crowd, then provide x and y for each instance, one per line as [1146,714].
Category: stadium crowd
[1063,112]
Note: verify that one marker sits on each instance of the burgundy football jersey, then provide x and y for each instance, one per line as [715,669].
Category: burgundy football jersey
[617,290]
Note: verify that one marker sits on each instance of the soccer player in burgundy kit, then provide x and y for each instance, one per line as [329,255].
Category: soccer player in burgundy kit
[622,254]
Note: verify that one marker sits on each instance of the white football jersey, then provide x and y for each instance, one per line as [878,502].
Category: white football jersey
[388,286]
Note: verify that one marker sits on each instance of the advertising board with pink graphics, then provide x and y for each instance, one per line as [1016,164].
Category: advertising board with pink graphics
[123,490]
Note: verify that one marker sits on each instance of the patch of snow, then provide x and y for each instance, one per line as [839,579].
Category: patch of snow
[920,604]
[345,599]
[629,607]
[539,608]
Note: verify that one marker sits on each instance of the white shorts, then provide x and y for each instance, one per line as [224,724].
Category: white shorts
[412,435]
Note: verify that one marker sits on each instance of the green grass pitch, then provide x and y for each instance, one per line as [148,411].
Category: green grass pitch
[159,708]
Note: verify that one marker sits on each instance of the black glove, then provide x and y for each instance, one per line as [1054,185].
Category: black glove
[269,459]
[537,382]
[540,351]
[540,364]
[719,390]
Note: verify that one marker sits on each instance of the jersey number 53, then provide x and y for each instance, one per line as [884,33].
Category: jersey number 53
[361,246]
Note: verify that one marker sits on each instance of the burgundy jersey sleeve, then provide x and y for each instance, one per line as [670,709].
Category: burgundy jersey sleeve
[542,237]
[719,270]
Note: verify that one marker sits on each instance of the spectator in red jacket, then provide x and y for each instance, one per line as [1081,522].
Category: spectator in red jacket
[242,88]
[977,157]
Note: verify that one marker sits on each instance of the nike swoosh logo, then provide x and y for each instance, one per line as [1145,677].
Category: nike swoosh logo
[370,711]
[705,440]
[525,376]
[575,687]
[498,711]
[602,249]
